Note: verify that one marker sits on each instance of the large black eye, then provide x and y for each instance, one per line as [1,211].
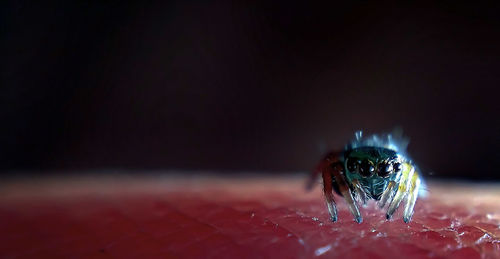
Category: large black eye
[352,164]
[366,168]
[397,167]
[384,169]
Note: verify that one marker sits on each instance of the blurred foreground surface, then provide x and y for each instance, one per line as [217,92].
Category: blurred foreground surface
[247,217]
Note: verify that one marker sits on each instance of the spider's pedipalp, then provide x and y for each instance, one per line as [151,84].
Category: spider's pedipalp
[361,196]
[387,194]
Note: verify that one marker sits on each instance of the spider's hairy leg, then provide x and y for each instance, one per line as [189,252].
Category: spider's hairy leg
[361,196]
[337,171]
[328,191]
[412,197]
[402,191]
[330,157]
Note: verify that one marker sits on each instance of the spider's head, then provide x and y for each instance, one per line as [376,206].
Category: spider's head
[373,167]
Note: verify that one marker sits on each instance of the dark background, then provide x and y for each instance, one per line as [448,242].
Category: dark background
[245,86]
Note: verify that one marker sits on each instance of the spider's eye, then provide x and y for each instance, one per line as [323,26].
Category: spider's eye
[397,167]
[366,168]
[384,169]
[352,164]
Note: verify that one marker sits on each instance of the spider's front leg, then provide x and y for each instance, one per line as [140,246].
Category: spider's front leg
[332,171]
[324,169]
[408,188]
[328,191]
[337,169]
[412,197]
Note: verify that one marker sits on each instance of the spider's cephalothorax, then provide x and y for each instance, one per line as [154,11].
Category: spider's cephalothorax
[370,168]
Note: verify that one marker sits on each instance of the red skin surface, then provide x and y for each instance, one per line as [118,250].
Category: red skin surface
[167,217]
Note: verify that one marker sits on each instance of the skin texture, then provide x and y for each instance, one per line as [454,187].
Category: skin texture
[241,217]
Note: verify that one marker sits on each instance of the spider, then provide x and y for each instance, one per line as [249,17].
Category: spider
[370,168]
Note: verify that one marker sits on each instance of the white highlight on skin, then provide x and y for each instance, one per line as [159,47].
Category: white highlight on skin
[480,240]
[322,250]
